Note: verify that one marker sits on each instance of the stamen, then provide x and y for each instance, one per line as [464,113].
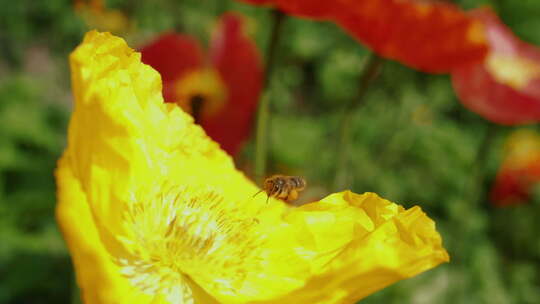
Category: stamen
[180,233]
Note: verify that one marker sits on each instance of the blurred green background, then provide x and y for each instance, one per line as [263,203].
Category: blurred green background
[413,143]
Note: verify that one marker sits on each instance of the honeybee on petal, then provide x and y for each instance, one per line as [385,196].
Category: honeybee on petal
[283,187]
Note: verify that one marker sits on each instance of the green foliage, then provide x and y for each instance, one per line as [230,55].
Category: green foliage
[33,259]
[414,143]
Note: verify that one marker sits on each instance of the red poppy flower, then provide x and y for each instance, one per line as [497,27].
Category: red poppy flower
[430,36]
[520,170]
[220,90]
[505,88]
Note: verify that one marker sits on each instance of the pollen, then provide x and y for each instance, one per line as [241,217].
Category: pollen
[183,233]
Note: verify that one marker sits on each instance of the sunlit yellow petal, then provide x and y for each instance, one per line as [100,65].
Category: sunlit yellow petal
[173,219]
[383,243]
[96,273]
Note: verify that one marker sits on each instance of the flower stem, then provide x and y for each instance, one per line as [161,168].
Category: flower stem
[470,228]
[222,6]
[263,115]
[480,164]
[371,71]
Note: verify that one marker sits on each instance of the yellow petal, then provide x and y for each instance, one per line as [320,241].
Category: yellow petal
[97,275]
[377,244]
[173,219]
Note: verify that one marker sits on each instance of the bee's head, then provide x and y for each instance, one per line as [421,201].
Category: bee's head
[269,183]
[273,184]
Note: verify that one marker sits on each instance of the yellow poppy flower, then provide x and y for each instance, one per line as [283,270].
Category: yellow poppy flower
[153,211]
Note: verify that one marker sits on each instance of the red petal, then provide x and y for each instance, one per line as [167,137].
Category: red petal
[237,59]
[513,185]
[508,189]
[499,99]
[520,170]
[433,37]
[172,55]
[430,36]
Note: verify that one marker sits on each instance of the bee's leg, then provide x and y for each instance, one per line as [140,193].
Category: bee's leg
[258,192]
[276,191]
[282,194]
[271,193]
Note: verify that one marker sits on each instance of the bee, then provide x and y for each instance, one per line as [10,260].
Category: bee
[283,187]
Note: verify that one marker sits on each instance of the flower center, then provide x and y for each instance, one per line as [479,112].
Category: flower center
[184,234]
[201,93]
[514,71]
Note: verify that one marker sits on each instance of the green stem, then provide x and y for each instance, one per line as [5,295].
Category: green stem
[371,71]
[497,5]
[474,192]
[222,6]
[476,188]
[469,231]
[263,115]
[178,11]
